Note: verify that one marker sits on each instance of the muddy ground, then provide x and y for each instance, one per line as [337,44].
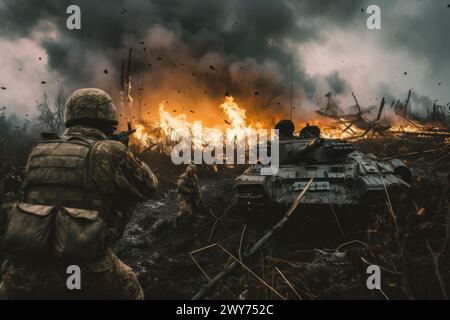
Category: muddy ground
[412,249]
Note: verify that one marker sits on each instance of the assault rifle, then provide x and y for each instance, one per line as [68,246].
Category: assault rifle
[124,135]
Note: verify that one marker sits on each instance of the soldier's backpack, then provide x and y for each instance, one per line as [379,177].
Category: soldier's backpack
[59,214]
[66,233]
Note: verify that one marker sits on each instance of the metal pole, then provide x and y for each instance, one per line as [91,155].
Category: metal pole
[292,76]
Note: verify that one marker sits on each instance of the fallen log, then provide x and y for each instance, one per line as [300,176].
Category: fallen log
[226,271]
[438,134]
[410,154]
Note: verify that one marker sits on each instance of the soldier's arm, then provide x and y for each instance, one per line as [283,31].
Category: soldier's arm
[138,176]
[197,188]
[181,184]
[118,171]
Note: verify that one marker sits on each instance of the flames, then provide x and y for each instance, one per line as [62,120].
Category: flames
[165,127]
[168,123]
[161,130]
[236,116]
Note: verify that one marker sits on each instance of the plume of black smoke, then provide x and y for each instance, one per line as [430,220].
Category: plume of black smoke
[194,48]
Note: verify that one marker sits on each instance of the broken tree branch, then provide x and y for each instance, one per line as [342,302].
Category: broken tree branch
[289,284]
[256,247]
[351,242]
[237,262]
[336,219]
[240,242]
[436,269]
[218,219]
[411,154]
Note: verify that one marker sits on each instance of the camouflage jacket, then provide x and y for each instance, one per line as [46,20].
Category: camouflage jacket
[118,179]
[188,186]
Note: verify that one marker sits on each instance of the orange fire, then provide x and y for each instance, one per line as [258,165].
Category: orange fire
[162,130]
[167,125]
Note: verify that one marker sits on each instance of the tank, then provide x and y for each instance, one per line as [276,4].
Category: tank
[344,178]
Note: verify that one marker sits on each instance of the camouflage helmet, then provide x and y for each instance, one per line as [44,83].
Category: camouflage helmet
[191,168]
[90,105]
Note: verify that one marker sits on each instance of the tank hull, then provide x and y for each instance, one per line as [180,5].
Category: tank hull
[344,181]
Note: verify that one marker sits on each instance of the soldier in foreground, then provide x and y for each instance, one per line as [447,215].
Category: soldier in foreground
[189,196]
[78,195]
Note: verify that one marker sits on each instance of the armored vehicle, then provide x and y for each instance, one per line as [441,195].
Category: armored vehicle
[343,177]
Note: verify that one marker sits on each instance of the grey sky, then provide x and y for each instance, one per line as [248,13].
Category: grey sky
[249,42]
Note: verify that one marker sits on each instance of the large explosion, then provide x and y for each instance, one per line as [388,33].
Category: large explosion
[164,126]
[154,129]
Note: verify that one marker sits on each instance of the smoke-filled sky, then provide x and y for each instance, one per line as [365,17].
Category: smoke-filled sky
[192,52]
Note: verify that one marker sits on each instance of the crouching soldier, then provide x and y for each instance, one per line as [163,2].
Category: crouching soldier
[78,195]
[189,196]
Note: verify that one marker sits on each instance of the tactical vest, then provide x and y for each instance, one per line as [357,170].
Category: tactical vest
[59,173]
[61,213]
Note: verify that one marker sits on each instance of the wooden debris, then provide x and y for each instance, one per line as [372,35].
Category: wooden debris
[256,247]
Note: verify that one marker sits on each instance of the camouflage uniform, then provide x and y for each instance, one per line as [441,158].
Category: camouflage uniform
[112,182]
[188,193]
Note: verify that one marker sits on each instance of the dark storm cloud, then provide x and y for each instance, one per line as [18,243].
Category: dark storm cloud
[19,17]
[336,83]
[333,12]
[421,28]
[257,29]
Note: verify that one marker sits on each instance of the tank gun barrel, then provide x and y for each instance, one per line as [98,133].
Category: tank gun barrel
[301,153]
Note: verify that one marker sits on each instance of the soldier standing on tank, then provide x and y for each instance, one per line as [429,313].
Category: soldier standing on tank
[189,196]
[86,170]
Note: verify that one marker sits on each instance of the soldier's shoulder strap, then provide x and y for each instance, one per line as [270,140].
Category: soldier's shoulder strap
[77,139]
[49,136]
[73,138]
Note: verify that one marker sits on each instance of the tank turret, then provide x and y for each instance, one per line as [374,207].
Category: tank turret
[316,150]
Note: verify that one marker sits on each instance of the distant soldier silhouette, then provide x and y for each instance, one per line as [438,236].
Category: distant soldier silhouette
[189,196]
